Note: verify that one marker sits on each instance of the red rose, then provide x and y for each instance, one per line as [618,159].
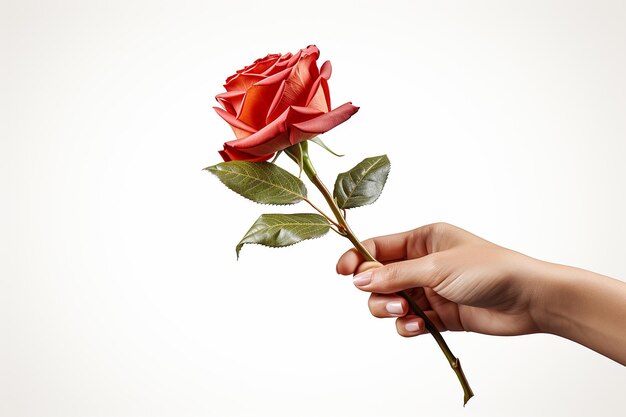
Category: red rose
[276,102]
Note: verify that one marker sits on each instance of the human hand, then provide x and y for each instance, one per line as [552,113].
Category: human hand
[460,281]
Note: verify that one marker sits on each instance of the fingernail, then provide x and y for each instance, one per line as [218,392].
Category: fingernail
[394,307]
[362,279]
[412,326]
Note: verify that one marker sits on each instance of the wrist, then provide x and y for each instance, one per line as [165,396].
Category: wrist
[584,307]
[555,296]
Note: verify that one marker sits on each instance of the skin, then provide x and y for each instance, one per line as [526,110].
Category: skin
[463,282]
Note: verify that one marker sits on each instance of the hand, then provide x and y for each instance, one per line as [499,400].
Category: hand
[462,282]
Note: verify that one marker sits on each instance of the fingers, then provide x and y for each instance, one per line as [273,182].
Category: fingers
[405,245]
[411,325]
[392,305]
[383,306]
[383,248]
[407,324]
[399,276]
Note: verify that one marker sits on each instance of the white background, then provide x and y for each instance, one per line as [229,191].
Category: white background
[120,294]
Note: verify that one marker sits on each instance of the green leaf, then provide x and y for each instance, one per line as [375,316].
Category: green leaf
[319,142]
[278,230]
[363,184]
[262,182]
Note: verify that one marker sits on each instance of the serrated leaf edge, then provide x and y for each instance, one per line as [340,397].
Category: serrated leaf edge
[303,196]
[240,244]
[363,177]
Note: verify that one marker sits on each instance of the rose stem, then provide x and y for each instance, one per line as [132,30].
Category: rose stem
[454,362]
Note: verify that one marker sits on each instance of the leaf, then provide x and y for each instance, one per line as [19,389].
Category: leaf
[363,184]
[319,142]
[262,182]
[278,230]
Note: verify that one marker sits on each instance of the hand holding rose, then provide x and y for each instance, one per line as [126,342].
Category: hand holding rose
[463,282]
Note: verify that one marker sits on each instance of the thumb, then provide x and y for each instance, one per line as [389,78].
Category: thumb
[398,276]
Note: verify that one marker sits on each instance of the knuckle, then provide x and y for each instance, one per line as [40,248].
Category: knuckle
[432,263]
[441,228]
[434,267]
[384,278]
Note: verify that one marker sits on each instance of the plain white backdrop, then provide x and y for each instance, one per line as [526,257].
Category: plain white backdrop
[120,293]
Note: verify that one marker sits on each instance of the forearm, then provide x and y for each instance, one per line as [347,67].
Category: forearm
[587,308]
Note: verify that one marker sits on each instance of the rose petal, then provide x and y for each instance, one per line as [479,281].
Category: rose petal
[278,66]
[258,67]
[282,63]
[311,50]
[237,155]
[242,82]
[297,136]
[274,136]
[326,121]
[297,86]
[240,128]
[318,96]
[276,78]
[318,99]
[231,101]
[326,70]
[261,65]
[257,103]
[326,92]
[272,109]
[299,114]
[292,61]
[269,133]
[325,73]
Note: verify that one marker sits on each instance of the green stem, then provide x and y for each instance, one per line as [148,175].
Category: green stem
[321,212]
[454,362]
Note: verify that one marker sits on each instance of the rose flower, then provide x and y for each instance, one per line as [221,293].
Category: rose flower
[276,102]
